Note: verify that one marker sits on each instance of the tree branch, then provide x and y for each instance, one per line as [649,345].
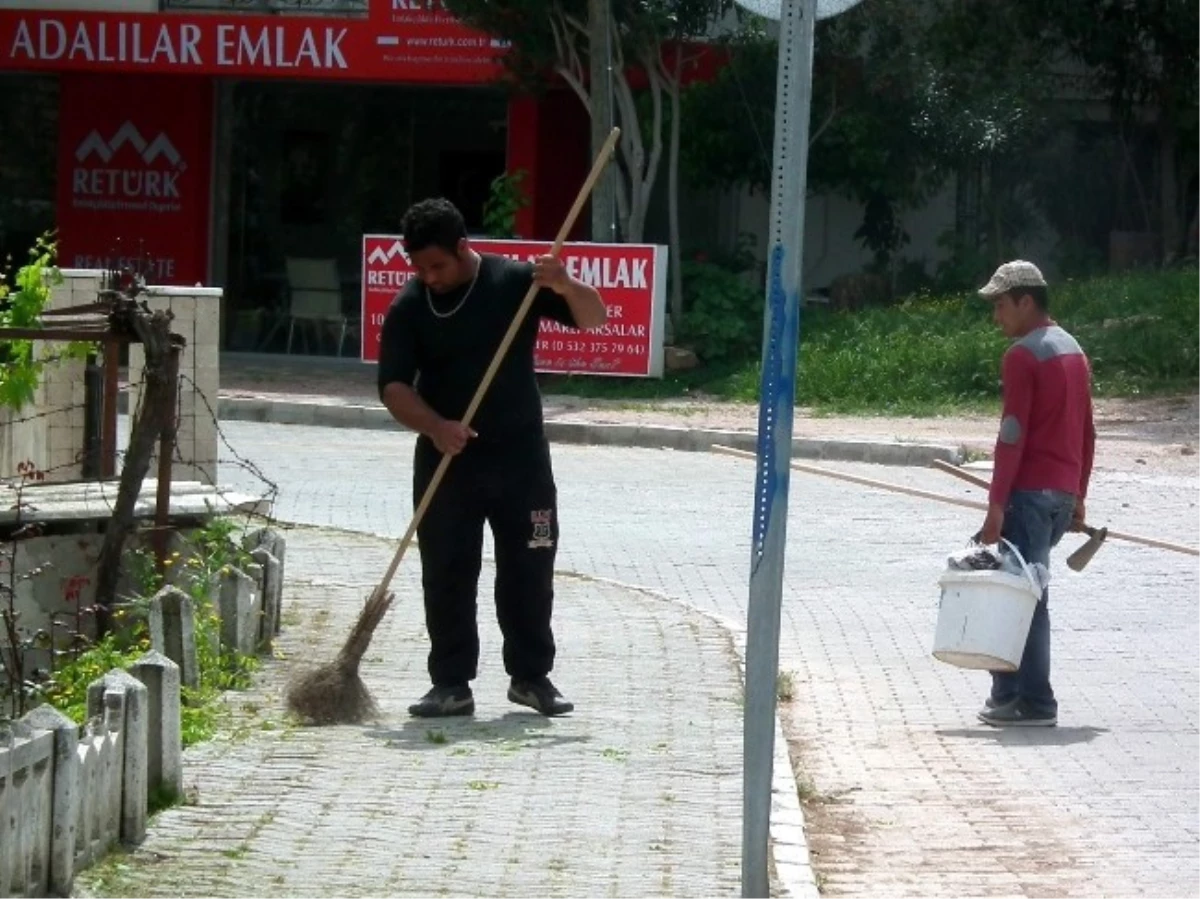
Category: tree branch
[833,111]
[570,66]
[151,417]
[574,82]
[654,75]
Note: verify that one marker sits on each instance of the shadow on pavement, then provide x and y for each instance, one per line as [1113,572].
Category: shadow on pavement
[518,730]
[1026,736]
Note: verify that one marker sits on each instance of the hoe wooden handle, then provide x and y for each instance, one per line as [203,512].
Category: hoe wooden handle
[856,479]
[1116,535]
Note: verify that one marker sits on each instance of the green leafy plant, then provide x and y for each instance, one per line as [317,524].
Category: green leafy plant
[212,548]
[506,198]
[67,689]
[20,369]
[937,353]
[724,317]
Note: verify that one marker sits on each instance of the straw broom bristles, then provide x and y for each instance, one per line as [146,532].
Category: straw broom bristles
[334,693]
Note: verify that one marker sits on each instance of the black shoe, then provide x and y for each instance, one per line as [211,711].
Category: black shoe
[539,694]
[1018,713]
[993,703]
[443,702]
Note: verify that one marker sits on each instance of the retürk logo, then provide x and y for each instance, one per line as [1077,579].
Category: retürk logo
[144,178]
[384,255]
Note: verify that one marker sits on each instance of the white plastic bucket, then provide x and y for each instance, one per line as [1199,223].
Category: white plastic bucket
[984,616]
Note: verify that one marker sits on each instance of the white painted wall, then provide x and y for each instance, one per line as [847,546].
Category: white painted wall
[830,248]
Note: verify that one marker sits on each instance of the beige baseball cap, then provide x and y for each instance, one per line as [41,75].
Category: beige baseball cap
[1013,275]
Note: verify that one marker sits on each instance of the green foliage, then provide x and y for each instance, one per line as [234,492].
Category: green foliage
[20,371]
[863,140]
[67,689]
[1140,54]
[730,121]
[901,104]
[723,317]
[942,352]
[506,198]
[936,353]
[724,314]
[550,43]
[545,37]
[213,547]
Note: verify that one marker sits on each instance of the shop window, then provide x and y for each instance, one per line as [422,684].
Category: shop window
[314,167]
[28,162]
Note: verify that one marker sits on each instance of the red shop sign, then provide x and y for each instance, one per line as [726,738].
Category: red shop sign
[133,174]
[401,40]
[631,279]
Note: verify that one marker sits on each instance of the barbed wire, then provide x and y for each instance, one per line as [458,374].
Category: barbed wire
[35,476]
[238,461]
[45,413]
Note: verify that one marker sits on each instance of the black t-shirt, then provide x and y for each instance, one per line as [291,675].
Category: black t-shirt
[443,344]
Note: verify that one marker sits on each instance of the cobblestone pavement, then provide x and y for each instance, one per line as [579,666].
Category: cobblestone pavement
[905,793]
[636,793]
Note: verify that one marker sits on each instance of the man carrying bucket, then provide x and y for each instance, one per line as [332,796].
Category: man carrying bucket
[1043,463]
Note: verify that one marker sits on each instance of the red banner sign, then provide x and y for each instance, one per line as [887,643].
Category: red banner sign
[401,40]
[631,279]
[133,174]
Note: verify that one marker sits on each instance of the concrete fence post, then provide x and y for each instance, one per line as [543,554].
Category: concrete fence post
[272,593]
[164,770]
[64,812]
[274,543]
[239,602]
[173,632]
[133,722]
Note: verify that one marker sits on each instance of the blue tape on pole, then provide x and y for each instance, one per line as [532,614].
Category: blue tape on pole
[778,390]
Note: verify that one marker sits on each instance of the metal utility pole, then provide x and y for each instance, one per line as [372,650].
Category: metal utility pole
[600,92]
[781,338]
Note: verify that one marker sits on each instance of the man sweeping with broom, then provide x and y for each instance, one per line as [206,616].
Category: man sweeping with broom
[438,339]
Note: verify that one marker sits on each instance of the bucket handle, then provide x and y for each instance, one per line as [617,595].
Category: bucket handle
[1033,582]
[1024,567]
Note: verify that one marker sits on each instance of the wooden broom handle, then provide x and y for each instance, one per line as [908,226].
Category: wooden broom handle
[568,223]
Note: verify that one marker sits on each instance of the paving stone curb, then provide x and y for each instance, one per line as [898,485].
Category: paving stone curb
[794,875]
[595,434]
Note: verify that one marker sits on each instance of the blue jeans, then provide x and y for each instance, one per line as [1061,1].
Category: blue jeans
[1034,521]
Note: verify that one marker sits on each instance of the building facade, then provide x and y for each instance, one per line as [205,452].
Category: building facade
[249,144]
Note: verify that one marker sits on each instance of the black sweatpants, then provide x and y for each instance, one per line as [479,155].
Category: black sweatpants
[513,489]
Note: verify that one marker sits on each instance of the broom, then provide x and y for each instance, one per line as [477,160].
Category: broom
[334,693]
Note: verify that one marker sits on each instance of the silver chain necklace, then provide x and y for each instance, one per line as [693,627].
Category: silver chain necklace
[429,298]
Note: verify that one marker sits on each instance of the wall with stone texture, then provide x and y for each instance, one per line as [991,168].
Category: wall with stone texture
[49,433]
[197,312]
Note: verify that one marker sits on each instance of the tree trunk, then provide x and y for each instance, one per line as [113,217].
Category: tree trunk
[155,412]
[599,87]
[676,241]
[1168,180]
[633,153]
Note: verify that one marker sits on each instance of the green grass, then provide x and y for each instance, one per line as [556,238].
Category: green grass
[928,354]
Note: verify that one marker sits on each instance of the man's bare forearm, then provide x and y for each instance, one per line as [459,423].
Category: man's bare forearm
[409,409]
[587,307]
